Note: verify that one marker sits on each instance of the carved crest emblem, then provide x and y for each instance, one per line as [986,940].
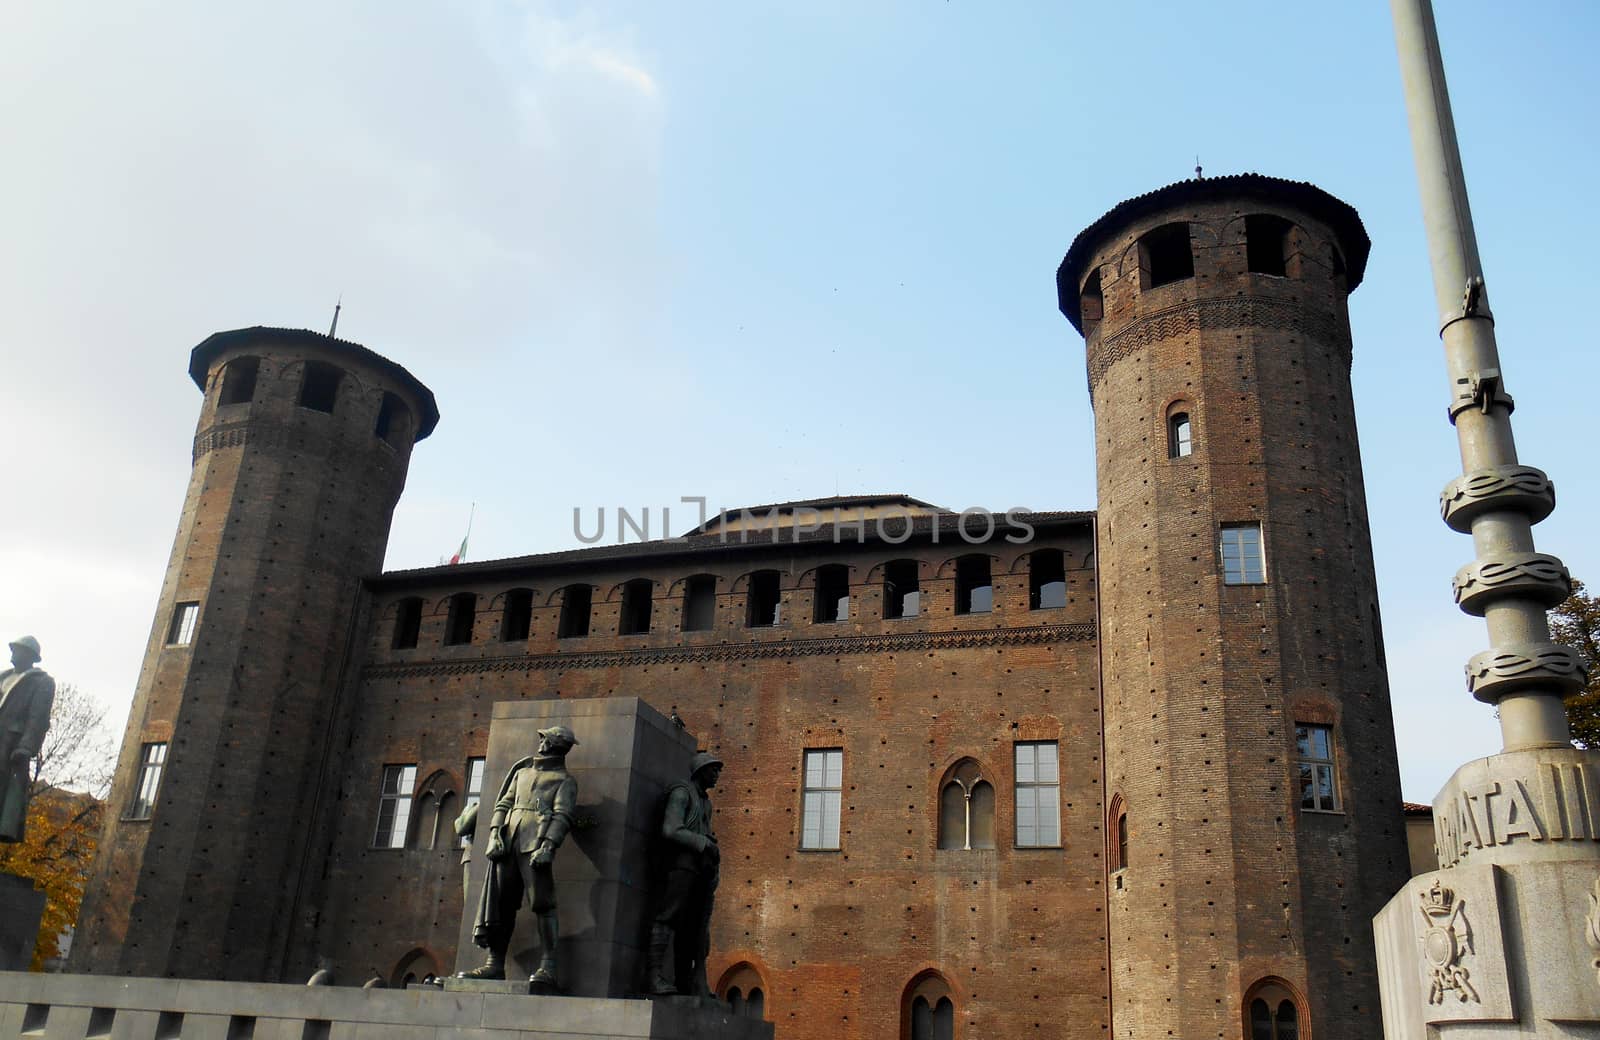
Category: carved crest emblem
[1591,926]
[1447,938]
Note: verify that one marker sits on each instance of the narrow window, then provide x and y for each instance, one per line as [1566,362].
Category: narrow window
[1314,748]
[184,618]
[474,793]
[1266,244]
[152,761]
[819,813]
[1260,1020]
[929,1013]
[636,596]
[319,387]
[1117,827]
[902,595]
[516,619]
[966,810]
[239,381]
[833,593]
[458,623]
[394,807]
[699,603]
[1287,1022]
[1091,304]
[755,1005]
[974,589]
[1038,795]
[763,609]
[1122,839]
[1272,1013]
[736,1001]
[1165,256]
[407,623]
[1047,579]
[394,421]
[1180,436]
[1242,562]
[576,601]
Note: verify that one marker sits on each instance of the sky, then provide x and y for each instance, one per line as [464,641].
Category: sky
[751,252]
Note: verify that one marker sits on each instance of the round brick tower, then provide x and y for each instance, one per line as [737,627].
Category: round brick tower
[299,458]
[1255,824]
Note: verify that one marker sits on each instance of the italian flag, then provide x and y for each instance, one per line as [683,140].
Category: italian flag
[461,553]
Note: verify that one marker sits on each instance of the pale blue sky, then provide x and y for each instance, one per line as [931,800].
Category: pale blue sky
[751,252]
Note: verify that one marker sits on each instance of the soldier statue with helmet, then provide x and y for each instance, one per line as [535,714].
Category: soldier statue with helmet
[26,694]
[691,866]
[532,816]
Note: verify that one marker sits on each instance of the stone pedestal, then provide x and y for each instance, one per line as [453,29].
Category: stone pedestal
[1504,939]
[626,756]
[21,907]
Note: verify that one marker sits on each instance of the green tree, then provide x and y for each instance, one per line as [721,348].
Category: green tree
[1576,622]
[70,778]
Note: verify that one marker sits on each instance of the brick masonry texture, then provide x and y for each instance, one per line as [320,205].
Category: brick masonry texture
[258,861]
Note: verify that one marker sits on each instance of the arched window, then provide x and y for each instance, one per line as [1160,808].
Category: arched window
[1117,825]
[239,381]
[1180,436]
[1091,302]
[1266,244]
[1047,579]
[407,623]
[516,615]
[1165,256]
[699,602]
[1272,1011]
[394,421]
[966,809]
[928,1010]
[743,989]
[763,606]
[576,601]
[635,613]
[319,386]
[458,623]
[833,594]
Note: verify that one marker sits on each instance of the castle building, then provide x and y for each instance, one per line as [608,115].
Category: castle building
[1062,774]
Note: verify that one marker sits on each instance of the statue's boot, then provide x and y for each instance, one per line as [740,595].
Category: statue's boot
[493,967]
[549,932]
[659,985]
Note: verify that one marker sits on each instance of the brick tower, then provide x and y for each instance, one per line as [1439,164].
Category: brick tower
[1255,825]
[299,458]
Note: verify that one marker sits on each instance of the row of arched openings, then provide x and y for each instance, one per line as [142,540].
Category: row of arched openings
[763,608]
[318,392]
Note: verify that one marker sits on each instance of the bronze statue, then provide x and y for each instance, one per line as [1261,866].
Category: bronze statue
[692,865]
[26,694]
[531,817]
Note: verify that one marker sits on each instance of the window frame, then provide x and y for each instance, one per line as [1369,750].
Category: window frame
[472,789]
[1180,435]
[827,757]
[1241,574]
[1308,763]
[147,785]
[185,622]
[1034,785]
[403,797]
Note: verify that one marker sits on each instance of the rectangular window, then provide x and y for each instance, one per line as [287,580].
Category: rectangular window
[458,623]
[833,594]
[184,617]
[819,814]
[635,615]
[1242,562]
[239,381]
[319,387]
[575,604]
[516,617]
[1038,795]
[902,595]
[407,623]
[699,603]
[974,587]
[1047,579]
[152,761]
[1314,746]
[394,807]
[764,609]
[474,793]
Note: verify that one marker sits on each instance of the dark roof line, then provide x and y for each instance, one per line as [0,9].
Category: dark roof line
[1339,215]
[821,503]
[200,359]
[750,539]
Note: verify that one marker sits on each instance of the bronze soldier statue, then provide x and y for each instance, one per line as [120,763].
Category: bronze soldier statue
[693,865]
[26,694]
[531,817]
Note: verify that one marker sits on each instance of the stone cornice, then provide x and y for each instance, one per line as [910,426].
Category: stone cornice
[1032,635]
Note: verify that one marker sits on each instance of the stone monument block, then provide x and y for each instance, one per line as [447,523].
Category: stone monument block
[626,756]
[21,907]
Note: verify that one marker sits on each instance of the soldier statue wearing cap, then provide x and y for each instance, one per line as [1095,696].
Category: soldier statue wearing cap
[692,865]
[26,694]
[531,817]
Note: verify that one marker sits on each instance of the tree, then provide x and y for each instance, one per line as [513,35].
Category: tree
[1576,622]
[70,778]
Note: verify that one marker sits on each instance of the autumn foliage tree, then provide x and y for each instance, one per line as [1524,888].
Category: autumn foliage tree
[1576,622]
[71,777]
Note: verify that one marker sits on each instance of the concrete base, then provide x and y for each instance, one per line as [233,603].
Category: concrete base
[1505,941]
[71,1007]
[21,907]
